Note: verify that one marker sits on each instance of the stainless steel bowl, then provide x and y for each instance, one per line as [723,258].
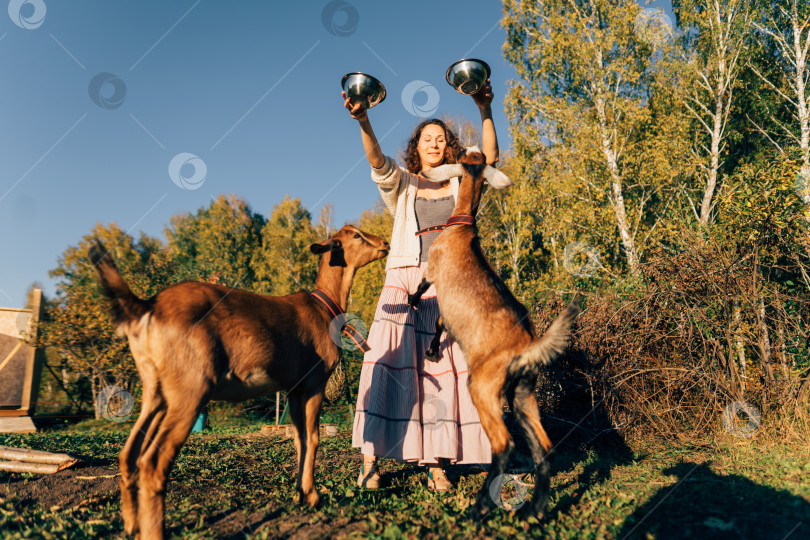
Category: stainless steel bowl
[468,76]
[364,89]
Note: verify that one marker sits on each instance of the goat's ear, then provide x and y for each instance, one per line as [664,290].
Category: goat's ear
[496,178]
[444,172]
[329,245]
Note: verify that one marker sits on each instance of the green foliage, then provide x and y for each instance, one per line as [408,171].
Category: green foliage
[76,322]
[369,280]
[592,123]
[283,263]
[216,244]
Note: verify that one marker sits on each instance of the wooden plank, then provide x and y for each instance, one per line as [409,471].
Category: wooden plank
[22,467]
[34,456]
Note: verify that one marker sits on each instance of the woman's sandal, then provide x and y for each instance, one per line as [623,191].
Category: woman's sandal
[369,477]
[437,480]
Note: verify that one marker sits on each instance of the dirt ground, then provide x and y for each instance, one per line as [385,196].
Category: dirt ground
[71,488]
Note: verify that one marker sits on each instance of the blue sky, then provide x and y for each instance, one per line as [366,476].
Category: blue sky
[98,97]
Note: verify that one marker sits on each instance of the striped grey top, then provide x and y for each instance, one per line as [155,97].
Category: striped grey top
[430,212]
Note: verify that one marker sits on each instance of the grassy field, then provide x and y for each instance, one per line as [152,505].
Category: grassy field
[231,482]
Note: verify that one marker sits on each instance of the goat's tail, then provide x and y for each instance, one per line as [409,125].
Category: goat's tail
[125,307]
[545,349]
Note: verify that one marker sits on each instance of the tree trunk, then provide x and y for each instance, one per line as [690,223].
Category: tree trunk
[800,50]
[738,343]
[616,197]
[717,136]
[94,391]
[764,341]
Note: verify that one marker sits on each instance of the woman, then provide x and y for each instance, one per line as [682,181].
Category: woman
[409,408]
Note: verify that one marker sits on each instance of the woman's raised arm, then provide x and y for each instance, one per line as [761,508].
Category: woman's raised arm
[489,142]
[373,153]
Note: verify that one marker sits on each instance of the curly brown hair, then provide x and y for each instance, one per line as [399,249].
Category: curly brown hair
[412,162]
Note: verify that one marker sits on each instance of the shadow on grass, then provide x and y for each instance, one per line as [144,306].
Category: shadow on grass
[580,429]
[703,504]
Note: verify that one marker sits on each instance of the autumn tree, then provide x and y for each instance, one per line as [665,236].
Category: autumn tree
[583,114]
[714,41]
[77,323]
[283,262]
[368,281]
[511,229]
[216,243]
[785,25]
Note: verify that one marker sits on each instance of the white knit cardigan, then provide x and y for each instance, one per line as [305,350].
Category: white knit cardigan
[398,190]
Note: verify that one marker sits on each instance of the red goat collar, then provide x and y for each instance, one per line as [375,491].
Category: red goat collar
[460,219]
[342,323]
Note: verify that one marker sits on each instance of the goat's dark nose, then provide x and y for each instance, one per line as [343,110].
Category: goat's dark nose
[385,243]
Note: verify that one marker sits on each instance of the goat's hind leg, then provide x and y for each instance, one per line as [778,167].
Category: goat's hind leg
[172,430]
[486,398]
[524,404]
[131,452]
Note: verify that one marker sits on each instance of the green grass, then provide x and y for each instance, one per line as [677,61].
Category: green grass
[231,482]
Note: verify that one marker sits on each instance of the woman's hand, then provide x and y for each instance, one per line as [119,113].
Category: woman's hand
[356,110]
[483,98]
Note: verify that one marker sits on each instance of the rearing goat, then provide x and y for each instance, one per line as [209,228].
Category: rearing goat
[494,330]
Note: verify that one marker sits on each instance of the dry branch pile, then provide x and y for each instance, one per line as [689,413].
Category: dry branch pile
[706,328]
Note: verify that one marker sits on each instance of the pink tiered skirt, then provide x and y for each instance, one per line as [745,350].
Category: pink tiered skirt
[408,408]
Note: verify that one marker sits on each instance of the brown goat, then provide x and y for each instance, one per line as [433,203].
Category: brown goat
[493,329]
[195,342]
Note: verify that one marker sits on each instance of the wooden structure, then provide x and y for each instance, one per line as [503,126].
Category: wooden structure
[20,366]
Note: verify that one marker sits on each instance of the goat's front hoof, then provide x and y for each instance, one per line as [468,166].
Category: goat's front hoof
[530,511]
[413,300]
[432,356]
[311,499]
[481,509]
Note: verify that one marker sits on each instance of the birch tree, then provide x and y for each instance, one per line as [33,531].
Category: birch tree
[787,24]
[586,89]
[716,48]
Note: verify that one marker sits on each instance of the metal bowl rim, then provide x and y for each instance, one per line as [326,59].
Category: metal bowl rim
[454,64]
[372,77]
